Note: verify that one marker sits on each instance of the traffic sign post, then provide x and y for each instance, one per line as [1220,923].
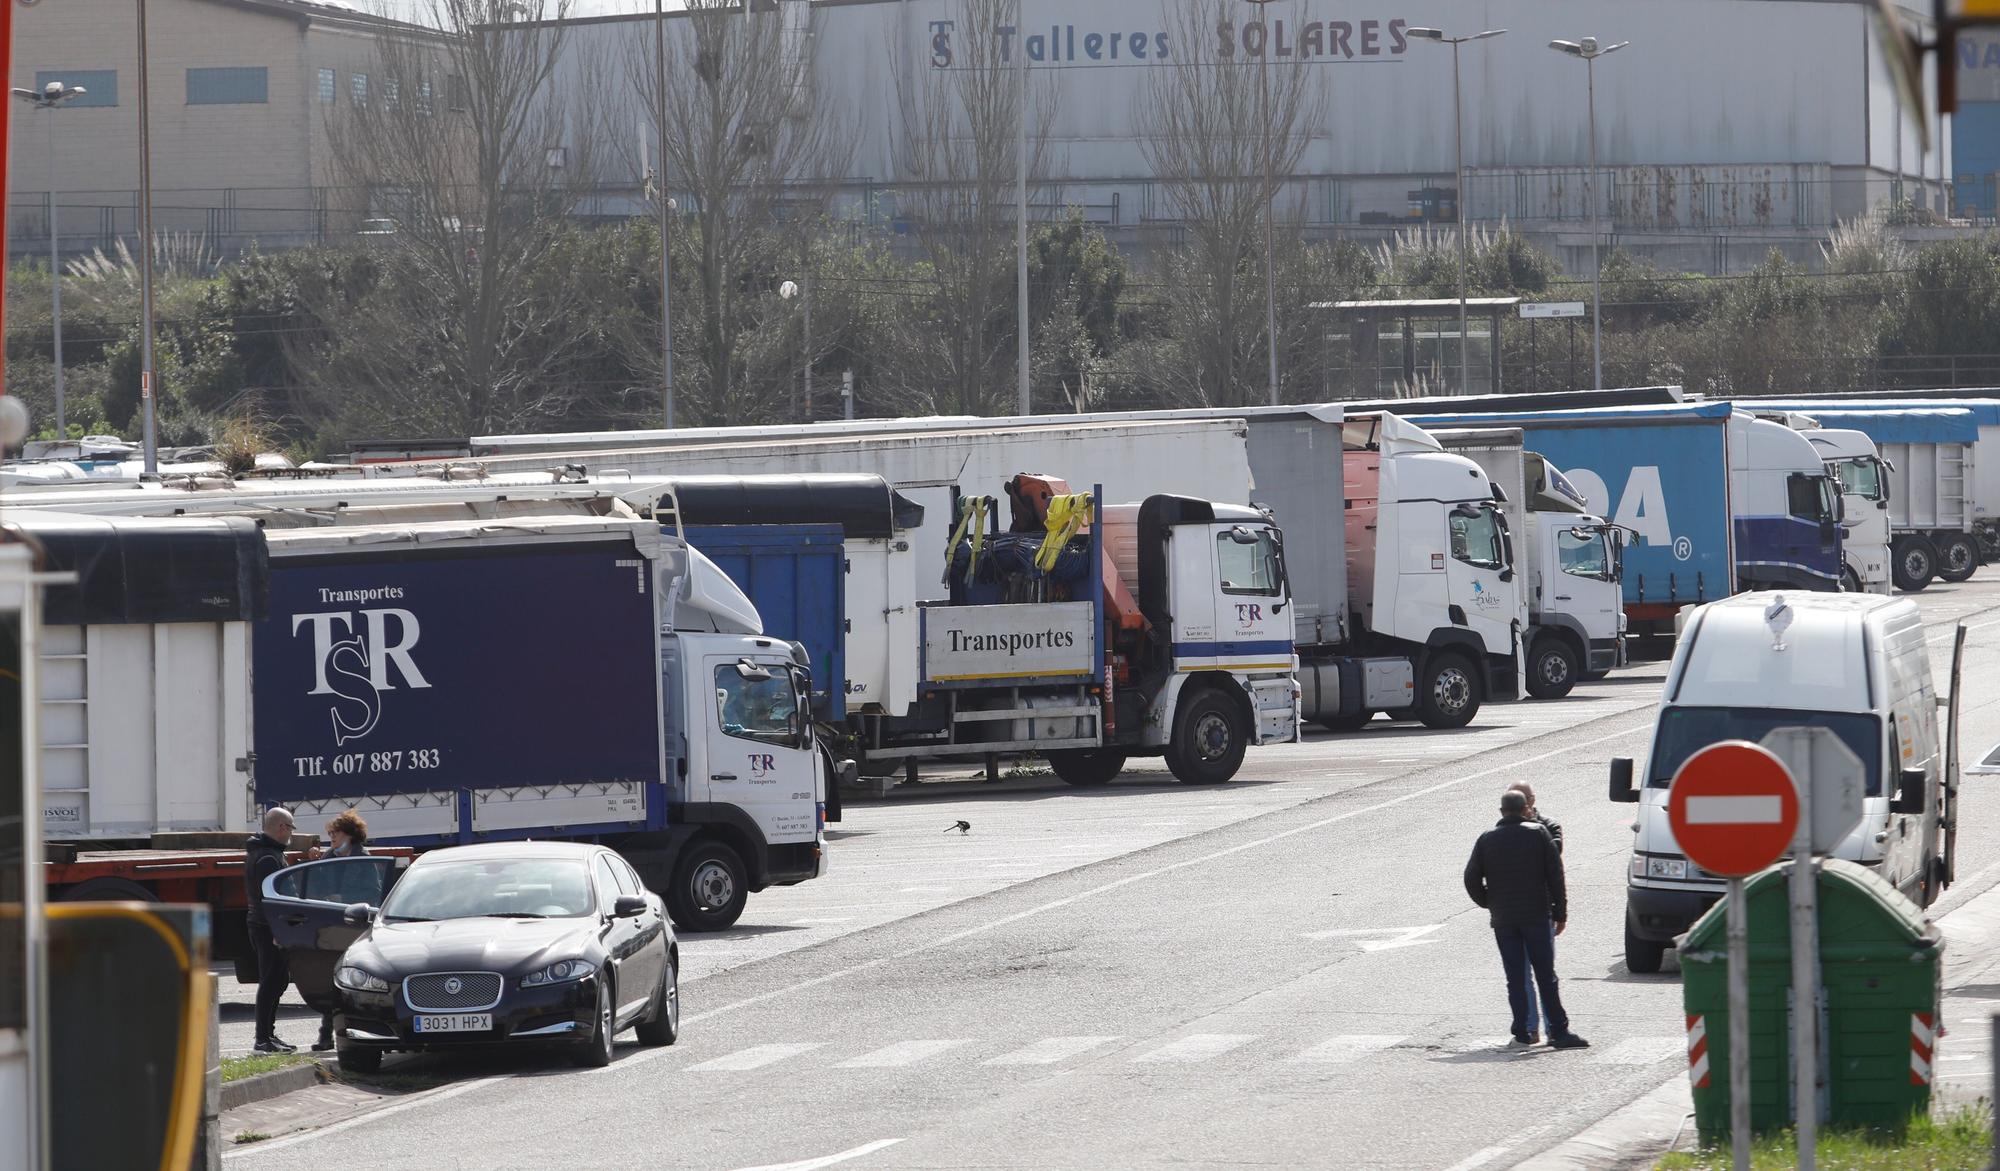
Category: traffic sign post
[1734,809]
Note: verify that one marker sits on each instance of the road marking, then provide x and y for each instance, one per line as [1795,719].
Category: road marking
[1197,1047]
[901,1053]
[755,1057]
[1478,1158]
[829,1160]
[810,922]
[1353,1047]
[1049,1050]
[1640,1051]
[1402,936]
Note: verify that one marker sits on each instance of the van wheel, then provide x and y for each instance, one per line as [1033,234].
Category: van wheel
[708,889]
[1958,557]
[1915,562]
[1086,767]
[1448,694]
[1552,668]
[1642,956]
[1209,739]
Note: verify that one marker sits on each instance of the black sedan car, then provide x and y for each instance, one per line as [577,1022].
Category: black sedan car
[502,944]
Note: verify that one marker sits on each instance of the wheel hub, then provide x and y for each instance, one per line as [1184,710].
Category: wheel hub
[1453,690]
[1211,736]
[713,887]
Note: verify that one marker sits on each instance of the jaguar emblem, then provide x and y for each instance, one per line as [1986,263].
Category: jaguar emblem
[454,986]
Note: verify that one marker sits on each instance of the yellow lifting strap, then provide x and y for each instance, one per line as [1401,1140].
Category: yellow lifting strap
[971,514]
[1067,516]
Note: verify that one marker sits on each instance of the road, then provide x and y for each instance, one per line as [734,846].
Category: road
[1283,971]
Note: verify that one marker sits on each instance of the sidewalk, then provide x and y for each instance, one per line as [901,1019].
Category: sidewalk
[1641,1132]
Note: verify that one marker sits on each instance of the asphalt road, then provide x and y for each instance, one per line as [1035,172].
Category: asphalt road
[1283,971]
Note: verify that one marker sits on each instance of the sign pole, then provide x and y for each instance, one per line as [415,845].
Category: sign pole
[1738,924]
[1805,982]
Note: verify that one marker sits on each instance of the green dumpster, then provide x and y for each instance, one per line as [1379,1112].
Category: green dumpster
[1881,963]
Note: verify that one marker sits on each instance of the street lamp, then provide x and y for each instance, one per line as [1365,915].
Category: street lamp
[667,209]
[1589,50]
[1458,167]
[50,96]
[788,290]
[1270,199]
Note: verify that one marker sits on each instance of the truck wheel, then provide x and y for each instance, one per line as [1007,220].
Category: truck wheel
[1448,694]
[108,888]
[1915,563]
[1209,739]
[1087,767]
[1552,669]
[1850,581]
[1642,956]
[832,785]
[1958,557]
[1353,723]
[709,888]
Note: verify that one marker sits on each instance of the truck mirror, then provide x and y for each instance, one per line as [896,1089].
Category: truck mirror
[751,672]
[358,915]
[1242,536]
[1622,789]
[1911,787]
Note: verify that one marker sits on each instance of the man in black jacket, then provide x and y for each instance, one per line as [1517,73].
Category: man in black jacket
[1516,873]
[265,856]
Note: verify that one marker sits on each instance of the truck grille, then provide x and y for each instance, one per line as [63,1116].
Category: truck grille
[452,991]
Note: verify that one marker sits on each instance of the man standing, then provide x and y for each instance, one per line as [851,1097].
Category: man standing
[264,857]
[1516,873]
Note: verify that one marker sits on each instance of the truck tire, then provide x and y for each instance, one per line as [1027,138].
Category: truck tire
[1353,723]
[1915,563]
[1850,581]
[1208,740]
[709,888]
[832,785]
[1958,557]
[1552,668]
[108,888]
[1642,956]
[1087,767]
[1448,693]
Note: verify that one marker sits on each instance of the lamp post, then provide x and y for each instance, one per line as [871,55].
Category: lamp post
[1589,51]
[50,96]
[1024,402]
[150,444]
[666,209]
[1270,199]
[803,291]
[1458,168]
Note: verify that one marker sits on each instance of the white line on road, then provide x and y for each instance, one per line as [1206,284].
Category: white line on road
[1198,1047]
[1478,1158]
[829,1160]
[1341,1050]
[1640,1051]
[409,1103]
[901,1053]
[755,1057]
[1401,936]
[1049,1050]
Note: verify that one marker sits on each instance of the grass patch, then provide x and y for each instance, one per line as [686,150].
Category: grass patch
[244,1137]
[238,1068]
[1961,1140]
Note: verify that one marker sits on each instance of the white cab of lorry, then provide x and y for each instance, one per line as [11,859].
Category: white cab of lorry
[1853,460]
[1856,664]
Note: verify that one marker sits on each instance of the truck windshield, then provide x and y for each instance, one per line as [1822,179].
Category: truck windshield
[1584,553]
[1247,567]
[1475,537]
[1683,731]
[1861,477]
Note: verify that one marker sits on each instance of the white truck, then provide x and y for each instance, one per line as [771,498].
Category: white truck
[1856,664]
[1573,560]
[1853,459]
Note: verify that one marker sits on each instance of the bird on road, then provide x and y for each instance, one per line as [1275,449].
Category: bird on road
[960,826]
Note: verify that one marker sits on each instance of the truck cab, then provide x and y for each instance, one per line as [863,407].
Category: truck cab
[1786,509]
[1856,664]
[1856,465]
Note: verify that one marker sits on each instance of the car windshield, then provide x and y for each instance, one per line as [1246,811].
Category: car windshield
[1683,731]
[530,888]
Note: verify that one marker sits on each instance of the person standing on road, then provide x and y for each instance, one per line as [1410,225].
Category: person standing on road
[1516,873]
[263,857]
[1534,1018]
[347,837]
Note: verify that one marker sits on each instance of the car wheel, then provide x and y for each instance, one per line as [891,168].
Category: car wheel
[1552,669]
[1913,563]
[1958,557]
[709,888]
[1448,695]
[1642,956]
[1086,767]
[596,1052]
[359,1059]
[663,1025]
[1209,740]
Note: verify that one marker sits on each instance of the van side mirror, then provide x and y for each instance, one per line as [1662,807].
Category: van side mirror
[1622,790]
[358,915]
[1912,786]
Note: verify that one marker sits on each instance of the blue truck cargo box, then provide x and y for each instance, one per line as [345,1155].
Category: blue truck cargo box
[797,577]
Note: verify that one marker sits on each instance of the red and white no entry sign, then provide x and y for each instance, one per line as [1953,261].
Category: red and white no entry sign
[1734,808]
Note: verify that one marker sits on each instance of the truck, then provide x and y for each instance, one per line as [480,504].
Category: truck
[1856,464]
[1943,504]
[1716,501]
[1573,561]
[335,666]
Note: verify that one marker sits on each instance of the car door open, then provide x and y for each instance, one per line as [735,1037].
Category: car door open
[306,906]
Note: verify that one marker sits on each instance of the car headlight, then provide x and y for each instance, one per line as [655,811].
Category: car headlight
[359,979]
[560,972]
[1666,868]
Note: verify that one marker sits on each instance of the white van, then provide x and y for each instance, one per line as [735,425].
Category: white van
[1854,663]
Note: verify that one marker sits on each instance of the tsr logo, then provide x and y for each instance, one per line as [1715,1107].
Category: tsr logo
[354,666]
[763,764]
[941,55]
[1249,611]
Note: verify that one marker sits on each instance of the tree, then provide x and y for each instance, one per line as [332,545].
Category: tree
[1207,120]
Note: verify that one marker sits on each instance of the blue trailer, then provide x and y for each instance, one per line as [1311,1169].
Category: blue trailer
[1714,500]
[796,575]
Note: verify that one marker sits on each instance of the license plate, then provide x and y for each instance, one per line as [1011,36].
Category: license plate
[464,1022]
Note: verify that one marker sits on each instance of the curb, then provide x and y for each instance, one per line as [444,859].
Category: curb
[278,1082]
